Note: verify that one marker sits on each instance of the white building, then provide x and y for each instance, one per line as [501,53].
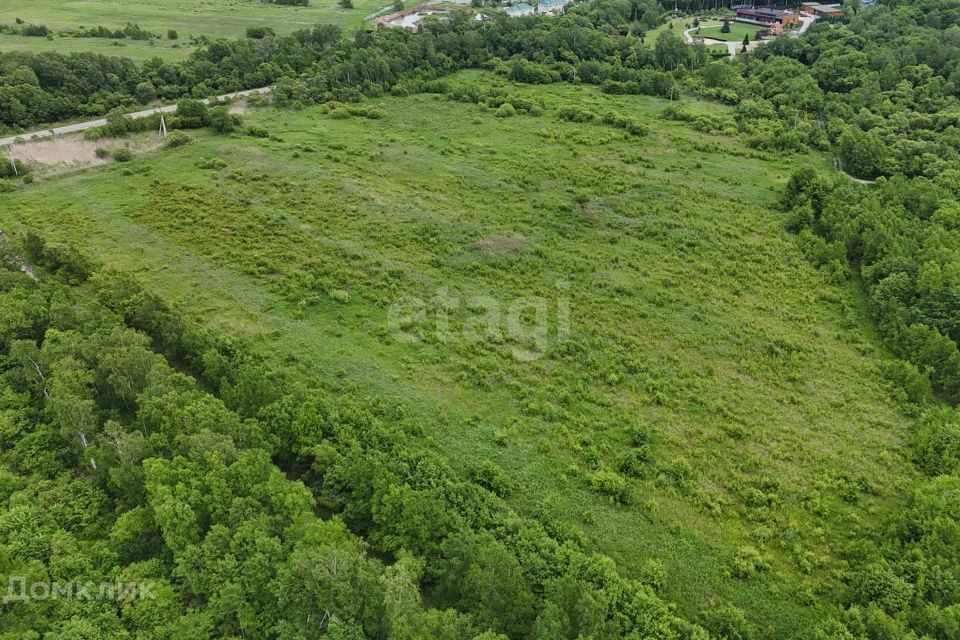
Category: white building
[522,9]
[552,7]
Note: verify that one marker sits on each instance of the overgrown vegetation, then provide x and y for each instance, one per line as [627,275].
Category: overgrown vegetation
[91,411]
[900,238]
[594,438]
[369,65]
[839,87]
[360,424]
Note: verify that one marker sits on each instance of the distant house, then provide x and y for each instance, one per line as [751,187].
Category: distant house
[825,11]
[766,16]
[522,9]
[552,7]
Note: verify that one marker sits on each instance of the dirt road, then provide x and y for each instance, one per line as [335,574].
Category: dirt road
[81,126]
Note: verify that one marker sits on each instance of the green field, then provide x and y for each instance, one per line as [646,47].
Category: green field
[737,31]
[167,50]
[693,315]
[650,37]
[227,19]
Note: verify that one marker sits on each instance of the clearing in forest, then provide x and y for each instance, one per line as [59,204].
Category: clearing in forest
[700,402]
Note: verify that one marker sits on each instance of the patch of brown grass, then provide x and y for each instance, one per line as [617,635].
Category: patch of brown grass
[500,244]
[53,156]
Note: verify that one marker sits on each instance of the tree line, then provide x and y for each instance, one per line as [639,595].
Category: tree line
[321,64]
[901,239]
[879,91]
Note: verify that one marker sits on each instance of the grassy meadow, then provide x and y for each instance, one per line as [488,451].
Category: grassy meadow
[680,24]
[226,19]
[711,416]
[139,50]
[678,27]
[737,31]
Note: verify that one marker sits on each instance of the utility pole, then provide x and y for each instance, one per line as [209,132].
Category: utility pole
[163,126]
[13,163]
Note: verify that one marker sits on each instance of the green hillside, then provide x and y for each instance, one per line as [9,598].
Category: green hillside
[712,416]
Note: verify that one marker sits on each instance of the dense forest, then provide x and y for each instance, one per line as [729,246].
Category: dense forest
[141,449]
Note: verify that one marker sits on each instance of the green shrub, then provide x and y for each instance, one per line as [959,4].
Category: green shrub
[680,471]
[505,110]
[490,476]
[122,154]
[748,562]
[908,379]
[632,125]
[7,170]
[145,92]
[339,295]
[936,444]
[341,111]
[612,485]
[636,462]
[35,30]
[577,114]
[726,621]
[640,434]
[258,32]
[258,131]
[258,100]
[211,163]
[191,114]
[653,573]
[878,583]
[178,139]
[676,113]
[222,120]
[62,259]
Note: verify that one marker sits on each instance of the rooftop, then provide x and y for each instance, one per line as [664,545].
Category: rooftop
[763,11]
